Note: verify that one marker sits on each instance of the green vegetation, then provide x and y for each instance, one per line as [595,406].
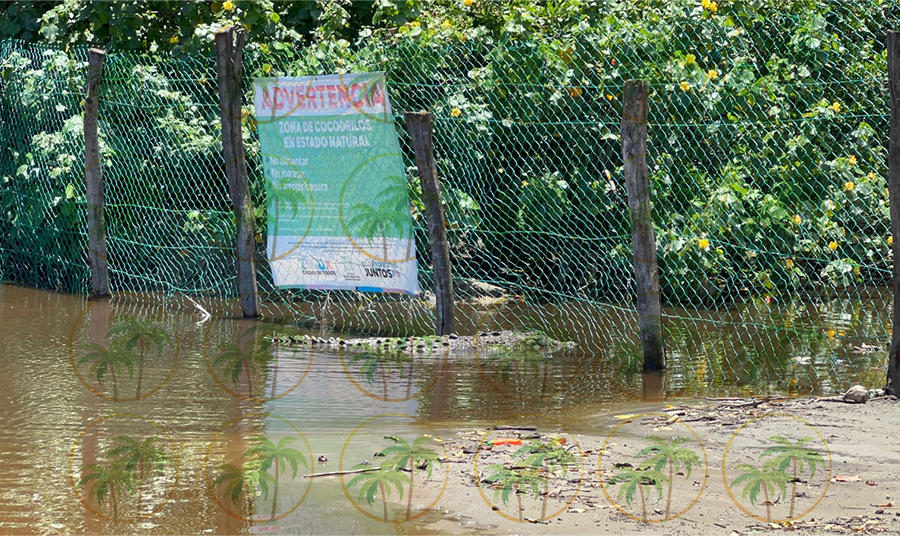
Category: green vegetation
[765,156]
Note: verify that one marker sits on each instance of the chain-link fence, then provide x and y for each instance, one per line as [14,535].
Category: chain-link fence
[767,154]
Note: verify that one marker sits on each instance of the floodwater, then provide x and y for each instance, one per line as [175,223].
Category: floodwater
[182,394]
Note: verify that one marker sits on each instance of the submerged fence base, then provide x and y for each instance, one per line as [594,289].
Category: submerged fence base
[767,176]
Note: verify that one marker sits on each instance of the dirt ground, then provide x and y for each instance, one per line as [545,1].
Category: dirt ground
[853,489]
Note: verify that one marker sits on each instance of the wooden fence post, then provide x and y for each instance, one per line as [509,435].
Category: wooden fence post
[93,178]
[893,58]
[229,57]
[643,238]
[421,128]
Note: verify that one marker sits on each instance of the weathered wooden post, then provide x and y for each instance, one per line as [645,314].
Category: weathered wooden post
[229,56]
[93,179]
[421,127]
[643,238]
[893,58]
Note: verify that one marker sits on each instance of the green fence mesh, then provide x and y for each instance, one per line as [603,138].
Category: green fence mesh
[767,153]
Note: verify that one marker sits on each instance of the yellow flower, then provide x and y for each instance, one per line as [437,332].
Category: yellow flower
[455,112]
[575,92]
[690,59]
[447,24]
[831,334]
[685,86]
[872,175]
[703,243]
[415,24]
[833,245]
[849,186]
[852,159]
[713,7]
[704,3]
[798,219]
[609,97]
[712,74]
[468,2]
[228,6]
[789,264]
[836,107]
[890,240]
[265,48]
[173,39]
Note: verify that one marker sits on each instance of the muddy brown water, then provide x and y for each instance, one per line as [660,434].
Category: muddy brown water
[58,418]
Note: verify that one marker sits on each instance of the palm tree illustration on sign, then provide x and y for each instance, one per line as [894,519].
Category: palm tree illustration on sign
[415,455]
[249,481]
[765,479]
[371,360]
[105,481]
[549,458]
[143,334]
[631,480]
[392,214]
[380,480]
[254,356]
[796,455]
[111,360]
[672,454]
[280,455]
[513,479]
[140,455]
[281,196]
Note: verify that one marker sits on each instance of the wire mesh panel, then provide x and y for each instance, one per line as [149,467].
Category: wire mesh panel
[767,153]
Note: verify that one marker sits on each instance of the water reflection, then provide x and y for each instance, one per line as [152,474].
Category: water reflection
[791,348]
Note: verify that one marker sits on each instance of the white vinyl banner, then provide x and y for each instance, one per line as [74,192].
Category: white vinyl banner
[336,188]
